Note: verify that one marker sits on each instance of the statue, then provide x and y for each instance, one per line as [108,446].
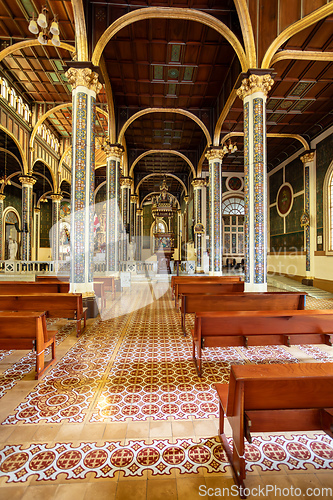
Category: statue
[131,250]
[12,248]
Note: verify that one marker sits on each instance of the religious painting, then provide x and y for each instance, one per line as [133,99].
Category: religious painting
[284,200]
[199,228]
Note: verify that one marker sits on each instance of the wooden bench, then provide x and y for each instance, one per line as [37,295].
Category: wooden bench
[176,280]
[31,287]
[27,330]
[274,398]
[208,287]
[56,305]
[251,328]
[240,301]
[109,281]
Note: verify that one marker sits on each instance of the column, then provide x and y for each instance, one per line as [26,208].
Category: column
[27,182]
[139,230]
[85,86]
[253,92]
[114,153]
[2,241]
[198,186]
[179,235]
[125,186]
[308,219]
[215,157]
[55,235]
[37,231]
[134,202]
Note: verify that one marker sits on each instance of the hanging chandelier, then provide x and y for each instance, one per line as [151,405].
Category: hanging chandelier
[46,33]
[230,147]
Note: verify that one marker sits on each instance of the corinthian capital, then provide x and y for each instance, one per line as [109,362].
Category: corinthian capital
[199,183]
[255,83]
[307,157]
[126,182]
[83,77]
[214,154]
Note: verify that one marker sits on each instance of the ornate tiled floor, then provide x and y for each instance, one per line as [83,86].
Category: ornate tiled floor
[124,401]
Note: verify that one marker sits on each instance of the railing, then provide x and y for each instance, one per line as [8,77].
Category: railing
[63,267]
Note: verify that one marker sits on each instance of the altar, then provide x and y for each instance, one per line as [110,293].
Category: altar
[164,242]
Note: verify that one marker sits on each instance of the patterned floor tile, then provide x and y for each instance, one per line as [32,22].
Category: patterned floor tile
[160,457]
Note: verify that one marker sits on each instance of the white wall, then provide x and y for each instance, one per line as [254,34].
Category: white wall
[291,264]
[324,267]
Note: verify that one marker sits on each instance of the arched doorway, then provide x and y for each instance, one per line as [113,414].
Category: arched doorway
[233,230]
[11,224]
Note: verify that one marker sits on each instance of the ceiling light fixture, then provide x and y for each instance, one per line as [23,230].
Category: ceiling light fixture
[46,33]
[231,147]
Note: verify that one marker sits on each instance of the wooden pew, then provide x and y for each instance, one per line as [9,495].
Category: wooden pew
[176,280]
[197,279]
[27,330]
[274,398]
[99,287]
[250,328]
[208,287]
[56,305]
[109,281]
[31,287]
[240,301]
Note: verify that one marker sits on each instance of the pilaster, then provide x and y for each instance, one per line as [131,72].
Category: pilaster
[308,218]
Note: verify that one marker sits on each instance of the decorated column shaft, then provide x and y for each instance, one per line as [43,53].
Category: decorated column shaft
[125,185]
[37,232]
[2,199]
[215,157]
[254,91]
[27,182]
[134,202]
[139,229]
[179,234]
[199,230]
[85,86]
[56,199]
[114,154]
[308,219]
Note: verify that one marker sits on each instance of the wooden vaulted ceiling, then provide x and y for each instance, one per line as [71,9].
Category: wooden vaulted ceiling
[174,63]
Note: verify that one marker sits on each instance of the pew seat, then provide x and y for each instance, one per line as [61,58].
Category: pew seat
[257,328]
[56,305]
[273,398]
[27,330]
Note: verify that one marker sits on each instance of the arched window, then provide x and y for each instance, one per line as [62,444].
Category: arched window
[233,206]
[233,227]
[328,210]
[4,89]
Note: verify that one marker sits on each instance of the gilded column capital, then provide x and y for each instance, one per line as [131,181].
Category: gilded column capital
[255,83]
[2,197]
[139,212]
[126,182]
[56,197]
[134,198]
[27,179]
[199,182]
[215,154]
[186,198]
[113,150]
[179,211]
[84,77]
[307,157]
[37,210]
